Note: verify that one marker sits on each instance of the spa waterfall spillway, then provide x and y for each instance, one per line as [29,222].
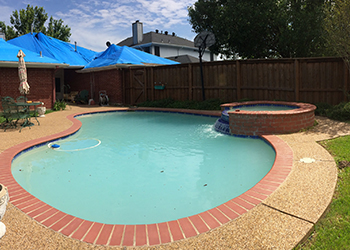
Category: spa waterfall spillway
[264,117]
[222,124]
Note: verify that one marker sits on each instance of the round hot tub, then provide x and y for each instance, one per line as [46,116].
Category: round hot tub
[265,117]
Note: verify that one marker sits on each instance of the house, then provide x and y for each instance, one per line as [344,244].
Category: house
[74,56]
[40,71]
[165,45]
[102,70]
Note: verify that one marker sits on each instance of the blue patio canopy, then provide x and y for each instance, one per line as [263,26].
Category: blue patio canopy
[123,56]
[63,52]
[8,55]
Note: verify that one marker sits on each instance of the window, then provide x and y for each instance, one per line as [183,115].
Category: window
[156,50]
[58,84]
[147,49]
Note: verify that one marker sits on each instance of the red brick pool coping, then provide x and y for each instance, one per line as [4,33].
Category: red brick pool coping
[140,235]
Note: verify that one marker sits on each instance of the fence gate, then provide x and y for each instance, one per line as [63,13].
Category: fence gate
[138,85]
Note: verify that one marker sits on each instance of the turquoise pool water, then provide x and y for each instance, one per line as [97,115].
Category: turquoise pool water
[263,107]
[142,167]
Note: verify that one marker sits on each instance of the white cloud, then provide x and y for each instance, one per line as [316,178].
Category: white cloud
[93,22]
[5,13]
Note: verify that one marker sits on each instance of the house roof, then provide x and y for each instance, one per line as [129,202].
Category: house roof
[63,52]
[184,59]
[153,37]
[121,56]
[8,57]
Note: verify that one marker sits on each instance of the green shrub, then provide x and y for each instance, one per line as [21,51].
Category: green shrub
[2,119]
[59,105]
[211,104]
[322,108]
[339,112]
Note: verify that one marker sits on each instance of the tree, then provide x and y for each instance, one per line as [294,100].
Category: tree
[57,30]
[262,29]
[338,29]
[24,19]
[303,31]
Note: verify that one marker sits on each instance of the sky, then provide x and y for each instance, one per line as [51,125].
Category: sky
[93,23]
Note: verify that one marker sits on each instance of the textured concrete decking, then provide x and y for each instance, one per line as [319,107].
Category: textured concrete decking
[279,222]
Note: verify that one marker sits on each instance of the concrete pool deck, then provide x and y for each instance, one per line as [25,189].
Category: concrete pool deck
[280,221]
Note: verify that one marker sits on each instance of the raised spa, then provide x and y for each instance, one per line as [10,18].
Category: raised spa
[264,117]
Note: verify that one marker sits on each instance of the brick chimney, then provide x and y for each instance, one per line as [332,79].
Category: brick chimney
[137,32]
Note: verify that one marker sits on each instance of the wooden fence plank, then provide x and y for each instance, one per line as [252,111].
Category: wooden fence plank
[238,80]
[302,79]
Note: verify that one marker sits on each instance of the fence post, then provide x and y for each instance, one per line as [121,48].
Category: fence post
[123,87]
[297,79]
[131,87]
[190,83]
[238,80]
[145,70]
[152,86]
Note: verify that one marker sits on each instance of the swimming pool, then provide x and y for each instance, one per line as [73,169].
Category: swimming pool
[124,170]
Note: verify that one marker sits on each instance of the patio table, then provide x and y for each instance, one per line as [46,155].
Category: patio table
[25,106]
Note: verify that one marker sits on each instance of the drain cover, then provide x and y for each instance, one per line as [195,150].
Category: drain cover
[307,160]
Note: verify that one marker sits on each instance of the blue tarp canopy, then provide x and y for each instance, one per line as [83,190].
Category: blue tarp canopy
[54,48]
[125,56]
[8,53]
[77,56]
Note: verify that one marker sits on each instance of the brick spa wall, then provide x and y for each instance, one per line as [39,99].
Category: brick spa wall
[253,123]
[108,80]
[41,82]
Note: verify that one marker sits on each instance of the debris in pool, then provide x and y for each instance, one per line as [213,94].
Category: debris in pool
[55,146]
[162,171]
[205,185]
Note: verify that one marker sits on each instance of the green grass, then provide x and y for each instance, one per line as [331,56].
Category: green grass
[333,231]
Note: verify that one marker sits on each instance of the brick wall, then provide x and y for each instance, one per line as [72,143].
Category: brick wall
[41,82]
[271,122]
[111,82]
[75,81]
[108,80]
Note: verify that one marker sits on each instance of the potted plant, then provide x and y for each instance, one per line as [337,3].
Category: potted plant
[4,198]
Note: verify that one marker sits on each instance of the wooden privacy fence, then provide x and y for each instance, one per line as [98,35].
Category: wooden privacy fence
[312,80]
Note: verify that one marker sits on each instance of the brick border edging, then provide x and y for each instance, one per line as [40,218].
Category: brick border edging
[270,122]
[140,235]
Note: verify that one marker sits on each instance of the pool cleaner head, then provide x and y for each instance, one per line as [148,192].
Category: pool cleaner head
[55,146]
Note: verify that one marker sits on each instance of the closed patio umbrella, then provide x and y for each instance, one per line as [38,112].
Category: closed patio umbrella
[22,73]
